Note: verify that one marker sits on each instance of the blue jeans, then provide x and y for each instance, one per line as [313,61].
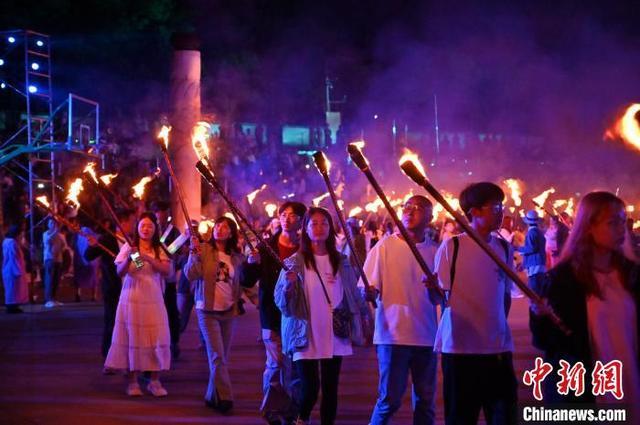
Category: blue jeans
[217,330]
[394,363]
[52,275]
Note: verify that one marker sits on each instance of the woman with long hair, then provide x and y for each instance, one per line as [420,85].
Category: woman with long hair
[140,341]
[595,290]
[216,268]
[14,271]
[321,313]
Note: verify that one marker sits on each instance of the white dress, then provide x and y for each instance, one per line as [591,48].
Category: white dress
[140,339]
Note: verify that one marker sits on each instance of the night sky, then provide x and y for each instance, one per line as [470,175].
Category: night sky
[536,68]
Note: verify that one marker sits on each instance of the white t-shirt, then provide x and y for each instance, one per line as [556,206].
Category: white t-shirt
[323,344]
[405,315]
[224,283]
[613,334]
[475,321]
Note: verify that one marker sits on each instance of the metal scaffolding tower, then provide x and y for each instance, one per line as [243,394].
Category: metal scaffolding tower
[27,95]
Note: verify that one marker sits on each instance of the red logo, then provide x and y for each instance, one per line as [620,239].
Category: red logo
[605,378]
[536,376]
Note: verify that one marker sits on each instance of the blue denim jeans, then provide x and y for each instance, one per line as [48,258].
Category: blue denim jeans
[217,330]
[394,364]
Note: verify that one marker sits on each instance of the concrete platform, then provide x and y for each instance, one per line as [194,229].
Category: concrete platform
[52,374]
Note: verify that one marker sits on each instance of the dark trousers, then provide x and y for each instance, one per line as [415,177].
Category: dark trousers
[110,297]
[539,284]
[170,302]
[52,274]
[479,381]
[314,374]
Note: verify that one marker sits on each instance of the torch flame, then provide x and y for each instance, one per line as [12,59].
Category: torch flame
[569,209]
[91,170]
[231,217]
[164,135]
[558,203]
[410,156]
[74,190]
[355,211]
[359,144]
[270,209]
[205,226]
[43,200]
[106,179]
[373,207]
[627,127]
[251,196]
[516,191]
[542,198]
[139,188]
[316,201]
[199,138]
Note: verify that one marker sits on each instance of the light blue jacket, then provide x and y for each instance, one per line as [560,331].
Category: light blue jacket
[291,300]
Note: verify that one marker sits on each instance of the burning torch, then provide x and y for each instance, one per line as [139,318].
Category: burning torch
[199,141]
[164,146]
[411,166]
[72,198]
[323,165]
[90,176]
[362,163]
[43,203]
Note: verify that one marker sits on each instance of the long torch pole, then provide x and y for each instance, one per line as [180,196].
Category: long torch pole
[414,174]
[321,164]
[360,161]
[102,226]
[550,213]
[178,186]
[97,185]
[93,219]
[74,228]
[213,182]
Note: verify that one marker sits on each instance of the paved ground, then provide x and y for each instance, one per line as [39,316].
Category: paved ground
[51,374]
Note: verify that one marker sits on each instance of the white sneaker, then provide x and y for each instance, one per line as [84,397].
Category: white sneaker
[156,388]
[133,389]
[49,304]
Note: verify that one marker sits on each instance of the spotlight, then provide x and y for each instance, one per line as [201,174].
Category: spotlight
[3,85]
[1,62]
[11,39]
[40,186]
[35,66]
[33,89]
[39,43]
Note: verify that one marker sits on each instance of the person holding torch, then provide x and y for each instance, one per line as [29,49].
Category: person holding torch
[406,318]
[140,341]
[474,336]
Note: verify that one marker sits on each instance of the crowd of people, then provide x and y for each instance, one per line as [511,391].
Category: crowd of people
[314,305]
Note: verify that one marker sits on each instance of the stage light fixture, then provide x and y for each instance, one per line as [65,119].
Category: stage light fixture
[35,66]
[11,39]
[3,85]
[33,89]
[1,62]
[39,43]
